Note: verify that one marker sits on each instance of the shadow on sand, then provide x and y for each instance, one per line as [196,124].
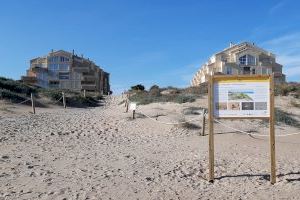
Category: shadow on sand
[263,176]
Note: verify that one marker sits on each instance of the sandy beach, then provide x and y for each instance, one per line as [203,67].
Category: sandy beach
[101,153]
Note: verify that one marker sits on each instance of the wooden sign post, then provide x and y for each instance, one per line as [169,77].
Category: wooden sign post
[133,108]
[211,129]
[272,131]
[241,97]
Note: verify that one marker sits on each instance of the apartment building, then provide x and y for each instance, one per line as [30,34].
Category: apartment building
[65,70]
[244,58]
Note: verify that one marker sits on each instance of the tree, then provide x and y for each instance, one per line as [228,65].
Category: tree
[138,87]
[154,90]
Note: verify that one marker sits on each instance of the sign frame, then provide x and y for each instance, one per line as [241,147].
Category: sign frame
[132,106]
[211,117]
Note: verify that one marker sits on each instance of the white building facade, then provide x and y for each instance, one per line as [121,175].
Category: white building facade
[244,58]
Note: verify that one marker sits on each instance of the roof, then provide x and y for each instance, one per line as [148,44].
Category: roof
[61,51]
[245,44]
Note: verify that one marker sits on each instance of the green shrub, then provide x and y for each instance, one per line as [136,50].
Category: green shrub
[99,97]
[81,102]
[295,103]
[286,118]
[53,94]
[146,98]
[138,87]
[154,90]
[287,88]
[184,98]
[16,86]
[12,96]
[198,90]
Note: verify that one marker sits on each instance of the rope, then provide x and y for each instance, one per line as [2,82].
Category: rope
[168,123]
[58,100]
[253,134]
[24,101]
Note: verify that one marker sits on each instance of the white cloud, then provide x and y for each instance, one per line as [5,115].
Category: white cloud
[288,41]
[295,71]
[276,7]
[186,73]
[287,49]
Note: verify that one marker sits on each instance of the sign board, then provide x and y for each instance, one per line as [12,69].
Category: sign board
[132,106]
[241,97]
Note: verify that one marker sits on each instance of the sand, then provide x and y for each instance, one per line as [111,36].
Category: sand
[101,153]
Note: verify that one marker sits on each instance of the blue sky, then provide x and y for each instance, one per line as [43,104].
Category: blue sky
[149,42]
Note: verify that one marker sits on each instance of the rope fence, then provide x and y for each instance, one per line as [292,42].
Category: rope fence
[23,101]
[253,134]
[32,100]
[168,123]
[204,114]
[58,100]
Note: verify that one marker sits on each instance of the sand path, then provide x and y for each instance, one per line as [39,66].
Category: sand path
[101,153]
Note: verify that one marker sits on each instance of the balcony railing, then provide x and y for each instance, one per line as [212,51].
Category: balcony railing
[28,78]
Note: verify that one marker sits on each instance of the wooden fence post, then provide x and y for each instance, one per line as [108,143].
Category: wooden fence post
[127,105]
[64,100]
[203,122]
[32,104]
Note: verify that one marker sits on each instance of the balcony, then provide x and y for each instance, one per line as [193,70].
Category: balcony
[81,69]
[278,74]
[89,87]
[29,79]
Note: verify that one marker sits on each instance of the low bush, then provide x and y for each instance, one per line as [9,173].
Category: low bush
[138,87]
[98,97]
[53,94]
[81,102]
[144,98]
[197,90]
[184,98]
[295,103]
[12,96]
[16,86]
[288,88]
[286,118]
[154,91]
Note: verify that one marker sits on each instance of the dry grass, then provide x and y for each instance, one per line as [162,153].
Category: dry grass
[295,103]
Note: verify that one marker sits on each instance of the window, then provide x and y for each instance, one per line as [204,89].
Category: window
[63,75]
[250,60]
[228,70]
[243,60]
[64,67]
[53,59]
[64,59]
[53,67]
[247,60]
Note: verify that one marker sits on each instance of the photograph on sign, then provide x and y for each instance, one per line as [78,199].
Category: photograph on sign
[241,98]
[132,106]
